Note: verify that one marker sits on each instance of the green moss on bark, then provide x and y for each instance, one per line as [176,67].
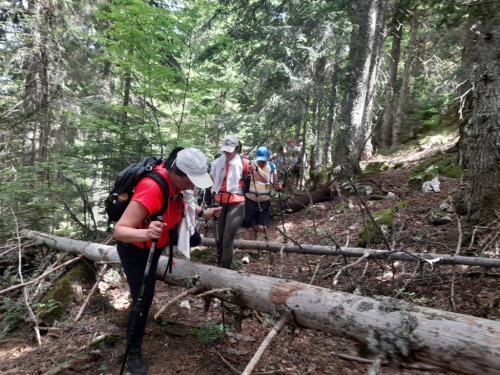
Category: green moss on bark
[384,219]
[54,305]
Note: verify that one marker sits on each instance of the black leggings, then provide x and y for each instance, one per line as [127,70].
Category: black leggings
[134,260]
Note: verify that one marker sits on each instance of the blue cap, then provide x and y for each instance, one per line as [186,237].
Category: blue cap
[262,154]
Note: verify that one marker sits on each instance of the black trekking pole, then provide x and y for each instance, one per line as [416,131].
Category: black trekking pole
[219,245]
[282,219]
[141,292]
[217,238]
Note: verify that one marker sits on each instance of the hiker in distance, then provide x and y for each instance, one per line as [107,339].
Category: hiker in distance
[258,196]
[184,169]
[228,173]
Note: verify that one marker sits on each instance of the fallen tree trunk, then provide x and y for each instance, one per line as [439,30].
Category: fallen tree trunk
[457,342]
[299,200]
[359,252]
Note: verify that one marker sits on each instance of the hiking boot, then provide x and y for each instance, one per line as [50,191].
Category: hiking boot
[134,363]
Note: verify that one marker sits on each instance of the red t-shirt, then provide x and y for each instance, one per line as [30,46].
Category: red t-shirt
[233,198]
[149,194]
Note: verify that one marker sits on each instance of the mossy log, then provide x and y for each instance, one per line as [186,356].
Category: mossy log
[453,341]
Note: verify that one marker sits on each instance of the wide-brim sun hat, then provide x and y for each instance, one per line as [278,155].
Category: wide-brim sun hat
[229,143]
[193,163]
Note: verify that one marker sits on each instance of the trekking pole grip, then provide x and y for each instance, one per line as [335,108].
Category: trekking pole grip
[160,219]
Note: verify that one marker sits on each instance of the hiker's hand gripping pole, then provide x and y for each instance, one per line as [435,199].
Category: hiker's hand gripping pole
[138,304]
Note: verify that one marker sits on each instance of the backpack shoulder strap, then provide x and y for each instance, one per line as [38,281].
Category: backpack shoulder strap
[246,163]
[271,177]
[162,182]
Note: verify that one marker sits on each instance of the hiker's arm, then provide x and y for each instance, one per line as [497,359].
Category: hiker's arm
[126,228]
[208,213]
[258,174]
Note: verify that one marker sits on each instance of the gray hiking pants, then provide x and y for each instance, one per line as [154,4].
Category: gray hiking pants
[225,229]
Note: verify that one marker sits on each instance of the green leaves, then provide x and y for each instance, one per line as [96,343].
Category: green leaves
[208,334]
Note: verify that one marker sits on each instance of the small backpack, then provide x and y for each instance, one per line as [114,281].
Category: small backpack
[125,183]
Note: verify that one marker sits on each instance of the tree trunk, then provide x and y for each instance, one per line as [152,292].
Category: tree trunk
[332,105]
[367,126]
[350,139]
[125,130]
[36,97]
[481,135]
[315,155]
[453,341]
[385,133]
[300,200]
[403,93]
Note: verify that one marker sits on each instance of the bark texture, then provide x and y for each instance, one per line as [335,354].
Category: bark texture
[457,342]
[352,138]
[482,133]
[385,133]
[403,93]
[37,87]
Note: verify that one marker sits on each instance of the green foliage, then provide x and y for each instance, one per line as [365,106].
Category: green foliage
[402,293]
[401,205]
[438,164]
[55,303]
[206,256]
[208,334]
[128,78]
[81,273]
[12,313]
[384,219]
[307,231]
[378,166]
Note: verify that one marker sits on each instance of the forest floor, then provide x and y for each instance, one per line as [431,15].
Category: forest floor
[186,340]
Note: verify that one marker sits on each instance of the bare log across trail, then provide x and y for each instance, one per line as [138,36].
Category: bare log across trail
[301,200]
[453,341]
[359,252]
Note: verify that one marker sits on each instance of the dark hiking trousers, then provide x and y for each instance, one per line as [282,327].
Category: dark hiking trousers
[134,261]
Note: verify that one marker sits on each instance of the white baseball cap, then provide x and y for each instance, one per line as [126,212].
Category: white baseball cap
[193,163]
[229,143]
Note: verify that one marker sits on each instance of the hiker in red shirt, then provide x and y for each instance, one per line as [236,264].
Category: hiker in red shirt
[183,169]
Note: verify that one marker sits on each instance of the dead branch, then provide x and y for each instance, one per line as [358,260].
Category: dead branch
[316,270]
[290,238]
[253,373]
[14,287]
[284,320]
[193,290]
[25,291]
[414,366]
[335,279]
[99,278]
[214,291]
